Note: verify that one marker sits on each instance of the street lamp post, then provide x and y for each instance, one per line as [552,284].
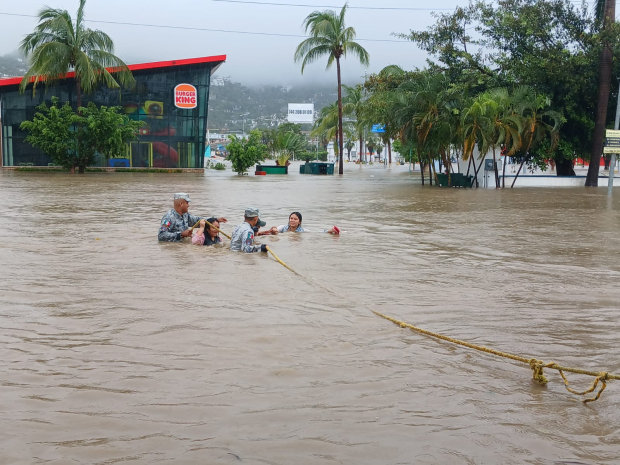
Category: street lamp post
[243,116]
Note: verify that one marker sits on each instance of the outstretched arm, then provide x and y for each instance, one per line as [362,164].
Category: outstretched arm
[248,245]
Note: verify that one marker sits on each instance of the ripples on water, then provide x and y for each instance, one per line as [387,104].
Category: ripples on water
[115,348]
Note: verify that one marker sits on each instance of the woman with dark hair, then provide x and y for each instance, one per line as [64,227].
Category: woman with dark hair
[294,225]
[207,235]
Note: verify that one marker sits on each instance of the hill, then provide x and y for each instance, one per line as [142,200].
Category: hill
[264,107]
[12,65]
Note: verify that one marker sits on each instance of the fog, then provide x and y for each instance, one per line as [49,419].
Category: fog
[251,59]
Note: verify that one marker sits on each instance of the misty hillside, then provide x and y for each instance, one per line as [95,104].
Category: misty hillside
[12,65]
[265,106]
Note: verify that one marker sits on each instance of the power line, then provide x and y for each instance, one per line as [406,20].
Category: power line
[253,2]
[185,28]
[334,7]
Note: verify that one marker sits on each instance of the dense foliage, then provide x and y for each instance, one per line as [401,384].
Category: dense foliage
[72,139]
[553,46]
[244,153]
[518,78]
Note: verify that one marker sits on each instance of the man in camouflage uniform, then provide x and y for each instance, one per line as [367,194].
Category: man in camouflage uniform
[178,223]
[243,235]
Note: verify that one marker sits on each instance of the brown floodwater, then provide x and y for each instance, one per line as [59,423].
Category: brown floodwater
[115,348]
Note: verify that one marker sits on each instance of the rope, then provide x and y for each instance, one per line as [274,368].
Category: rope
[209,224]
[308,280]
[536,365]
[282,263]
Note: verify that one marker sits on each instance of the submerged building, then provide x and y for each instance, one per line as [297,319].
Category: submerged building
[171,97]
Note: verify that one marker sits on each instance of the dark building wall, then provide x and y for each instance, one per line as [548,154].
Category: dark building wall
[171,138]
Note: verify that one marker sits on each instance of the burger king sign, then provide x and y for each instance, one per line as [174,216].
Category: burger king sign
[185,96]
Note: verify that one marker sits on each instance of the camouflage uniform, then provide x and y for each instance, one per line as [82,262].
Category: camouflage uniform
[243,239]
[173,224]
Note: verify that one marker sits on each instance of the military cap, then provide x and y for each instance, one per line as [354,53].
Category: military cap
[252,212]
[181,195]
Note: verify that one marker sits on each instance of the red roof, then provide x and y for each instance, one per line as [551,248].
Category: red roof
[138,67]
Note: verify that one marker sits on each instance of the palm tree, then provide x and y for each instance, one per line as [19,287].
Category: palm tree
[379,149]
[354,104]
[59,45]
[604,84]
[286,145]
[326,126]
[506,127]
[329,36]
[349,145]
[427,110]
[537,122]
[371,144]
[379,108]
[477,130]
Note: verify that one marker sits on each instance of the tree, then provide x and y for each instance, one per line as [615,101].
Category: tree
[330,36]
[538,123]
[379,107]
[477,130]
[349,145]
[427,110]
[326,126]
[353,104]
[53,130]
[604,83]
[290,127]
[72,139]
[505,127]
[553,46]
[59,45]
[244,153]
[106,130]
[379,149]
[371,144]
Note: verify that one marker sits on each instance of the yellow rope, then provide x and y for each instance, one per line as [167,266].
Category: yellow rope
[281,262]
[209,224]
[535,364]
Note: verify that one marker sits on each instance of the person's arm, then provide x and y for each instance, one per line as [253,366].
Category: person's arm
[248,245]
[199,237]
[269,232]
[281,228]
[192,220]
[164,234]
[335,231]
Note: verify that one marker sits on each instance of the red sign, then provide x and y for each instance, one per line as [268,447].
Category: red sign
[185,96]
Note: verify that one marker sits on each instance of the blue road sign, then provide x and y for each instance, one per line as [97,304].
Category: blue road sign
[378,128]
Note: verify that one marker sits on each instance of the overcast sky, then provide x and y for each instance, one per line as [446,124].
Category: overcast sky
[251,59]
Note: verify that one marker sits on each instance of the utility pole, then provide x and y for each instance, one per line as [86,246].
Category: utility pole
[612,163]
[364,144]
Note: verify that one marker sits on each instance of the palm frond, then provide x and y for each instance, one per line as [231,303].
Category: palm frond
[359,51]
[96,40]
[79,19]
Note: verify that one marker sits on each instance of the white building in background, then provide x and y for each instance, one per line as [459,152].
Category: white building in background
[219,81]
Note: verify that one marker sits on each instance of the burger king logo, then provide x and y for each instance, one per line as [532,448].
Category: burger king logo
[185,96]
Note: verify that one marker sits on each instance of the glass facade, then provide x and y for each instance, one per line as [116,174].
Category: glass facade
[171,138]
